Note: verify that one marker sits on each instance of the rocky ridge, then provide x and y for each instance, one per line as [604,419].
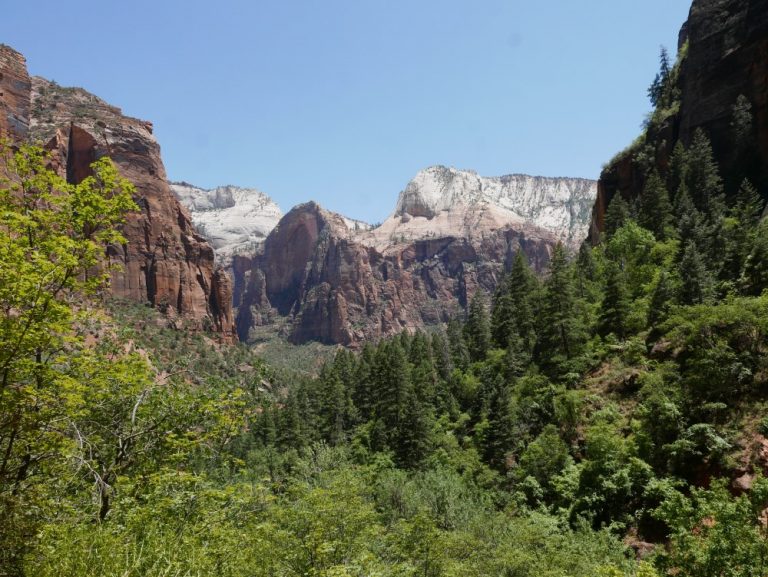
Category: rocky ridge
[443,201]
[340,282]
[235,220]
[165,261]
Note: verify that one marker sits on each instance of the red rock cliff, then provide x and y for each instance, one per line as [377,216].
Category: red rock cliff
[165,262]
[334,289]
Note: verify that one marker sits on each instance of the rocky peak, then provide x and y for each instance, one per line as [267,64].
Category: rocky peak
[446,202]
[165,261]
[235,220]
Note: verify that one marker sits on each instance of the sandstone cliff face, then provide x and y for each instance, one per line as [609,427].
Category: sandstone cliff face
[727,56]
[15,87]
[165,262]
[235,220]
[326,278]
[316,271]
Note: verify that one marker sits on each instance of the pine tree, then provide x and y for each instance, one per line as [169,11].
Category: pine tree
[658,88]
[502,315]
[524,291]
[616,215]
[561,332]
[477,330]
[614,312]
[457,345]
[678,168]
[500,434]
[703,176]
[655,209]
[423,373]
[513,311]
[442,355]
[696,281]
[740,230]
[690,223]
[363,391]
[755,277]
[661,300]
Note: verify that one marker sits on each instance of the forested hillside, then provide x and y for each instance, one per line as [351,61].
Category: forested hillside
[606,418]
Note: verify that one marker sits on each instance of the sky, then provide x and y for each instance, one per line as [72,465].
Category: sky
[344,101]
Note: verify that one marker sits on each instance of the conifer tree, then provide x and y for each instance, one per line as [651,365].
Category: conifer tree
[513,311]
[696,285]
[702,176]
[561,332]
[524,291]
[616,215]
[655,209]
[658,89]
[363,392]
[741,229]
[614,312]
[442,356]
[500,435]
[690,225]
[457,345]
[502,315]
[677,171]
[586,270]
[661,300]
[755,277]
[477,330]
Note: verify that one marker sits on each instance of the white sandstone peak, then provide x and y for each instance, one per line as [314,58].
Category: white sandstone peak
[233,219]
[442,201]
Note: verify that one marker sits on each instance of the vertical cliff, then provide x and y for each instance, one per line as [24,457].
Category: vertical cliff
[165,261]
[723,56]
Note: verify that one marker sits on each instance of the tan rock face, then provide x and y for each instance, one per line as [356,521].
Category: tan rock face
[15,87]
[335,288]
[727,57]
[165,262]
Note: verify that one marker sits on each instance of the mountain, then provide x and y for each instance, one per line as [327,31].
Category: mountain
[165,262]
[326,278]
[719,86]
[442,201]
[234,220]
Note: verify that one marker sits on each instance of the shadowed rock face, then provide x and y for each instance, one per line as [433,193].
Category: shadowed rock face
[727,57]
[165,261]
[316,271]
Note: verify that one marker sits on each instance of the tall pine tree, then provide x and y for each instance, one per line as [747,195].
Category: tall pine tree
[562,334]
[614,312]
[655,208]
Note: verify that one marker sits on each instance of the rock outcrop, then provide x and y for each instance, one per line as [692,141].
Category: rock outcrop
[15,89]
[337,281]
[235,220]
[165,261]
[443,201]
[725,56]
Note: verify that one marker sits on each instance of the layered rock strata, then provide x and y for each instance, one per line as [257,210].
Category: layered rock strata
[165,261]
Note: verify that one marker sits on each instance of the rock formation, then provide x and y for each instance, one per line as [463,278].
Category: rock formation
[339,281]
[442,202]
[724,45]
[165,261]
[234,220]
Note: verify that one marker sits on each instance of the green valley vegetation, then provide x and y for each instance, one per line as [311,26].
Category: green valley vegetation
[604,420]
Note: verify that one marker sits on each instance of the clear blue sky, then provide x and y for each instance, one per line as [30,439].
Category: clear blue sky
[343,101]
